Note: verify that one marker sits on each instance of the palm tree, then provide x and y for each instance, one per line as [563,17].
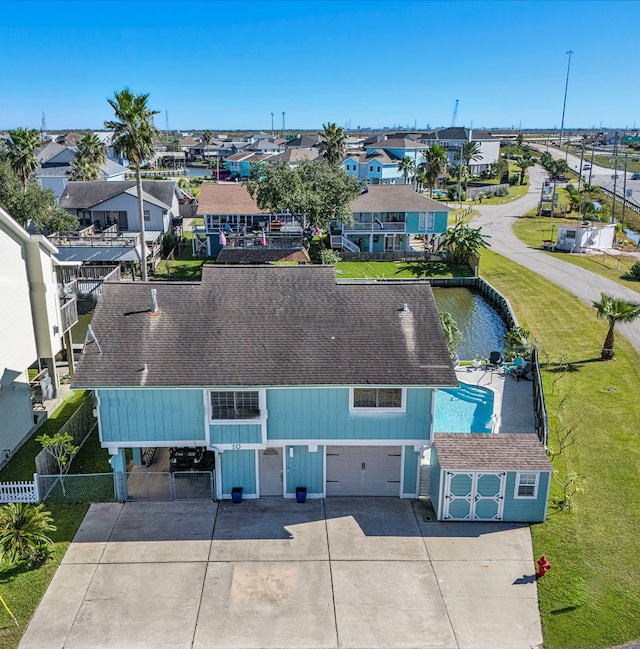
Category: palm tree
[614,310]
[21,153]
[435,164]
[452,334]
[471,151]
[133,136]
[461,242]
[523,164]
[407,167]
[23,532]
[90,157]
[333,143]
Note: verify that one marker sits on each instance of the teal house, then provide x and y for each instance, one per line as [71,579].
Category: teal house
[288,377]
[387,218]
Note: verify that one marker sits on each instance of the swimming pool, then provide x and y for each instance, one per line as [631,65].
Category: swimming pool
[466,409]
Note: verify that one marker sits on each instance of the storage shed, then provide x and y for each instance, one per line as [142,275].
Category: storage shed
[586,236]
[489,477]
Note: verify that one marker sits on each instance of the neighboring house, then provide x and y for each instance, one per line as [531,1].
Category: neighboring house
[35,315]
[387,218]
[296,380]
[103,204]
[586,236]
[55,168]
[239,164]
[293,157]
[304,142]
[453,138]
[228,209]
[265,146]
[379,165]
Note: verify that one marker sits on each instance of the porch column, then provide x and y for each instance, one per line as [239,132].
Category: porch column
[119,466]
[371,243]
[69,347]
[137,456]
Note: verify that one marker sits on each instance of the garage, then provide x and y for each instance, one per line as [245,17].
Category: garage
[363,470]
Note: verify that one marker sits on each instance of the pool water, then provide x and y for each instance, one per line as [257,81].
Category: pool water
[466,409]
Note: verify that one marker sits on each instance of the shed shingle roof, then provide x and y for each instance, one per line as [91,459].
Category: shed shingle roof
[266,325]
[490,452]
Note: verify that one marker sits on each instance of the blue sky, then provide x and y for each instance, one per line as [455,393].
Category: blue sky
[226,65]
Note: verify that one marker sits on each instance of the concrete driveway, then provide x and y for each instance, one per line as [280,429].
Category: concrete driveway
[337,573]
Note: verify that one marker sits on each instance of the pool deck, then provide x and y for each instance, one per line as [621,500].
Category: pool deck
[513,404]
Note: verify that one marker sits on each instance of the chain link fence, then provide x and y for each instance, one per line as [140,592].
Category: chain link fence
[165,486]
[77,488]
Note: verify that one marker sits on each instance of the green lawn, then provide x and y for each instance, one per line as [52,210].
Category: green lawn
[23,588]
[395,270]
[533,230]
[591,596]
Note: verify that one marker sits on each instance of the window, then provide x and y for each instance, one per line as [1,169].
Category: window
[427,221]
[378,169]
[235,405]
[384,398]
[526,485]
[370,167]
[147,215]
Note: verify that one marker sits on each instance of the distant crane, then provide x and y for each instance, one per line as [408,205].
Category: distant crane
[455,114]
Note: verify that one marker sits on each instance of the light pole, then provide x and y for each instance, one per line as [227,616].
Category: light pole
[564,105]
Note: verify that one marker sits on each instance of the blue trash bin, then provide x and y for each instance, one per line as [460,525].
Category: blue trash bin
[236,495]
[301,494]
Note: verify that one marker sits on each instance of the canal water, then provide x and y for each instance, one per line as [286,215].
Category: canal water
[481,325]
[198,171]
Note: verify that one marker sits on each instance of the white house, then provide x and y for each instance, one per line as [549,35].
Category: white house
[586,236]
[104,204]
[34,317]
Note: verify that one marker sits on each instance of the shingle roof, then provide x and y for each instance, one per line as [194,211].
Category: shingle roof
[295,155]
[380,155]
[266,325]
[83,195]
[48,151]
[399,143]
[226,198]
[261,255]
[304,141]
[491,452]
[395,198]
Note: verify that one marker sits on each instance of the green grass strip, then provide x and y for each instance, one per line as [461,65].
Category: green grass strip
[591,596]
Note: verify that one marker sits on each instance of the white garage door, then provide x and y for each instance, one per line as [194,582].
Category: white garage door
[363,470]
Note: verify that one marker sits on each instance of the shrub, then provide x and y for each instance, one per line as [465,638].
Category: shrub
[23,533]
[502,191]
[328,256]
[634,273]
[168,243]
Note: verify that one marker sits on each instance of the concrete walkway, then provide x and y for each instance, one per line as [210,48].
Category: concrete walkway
[497,221]
[341,573]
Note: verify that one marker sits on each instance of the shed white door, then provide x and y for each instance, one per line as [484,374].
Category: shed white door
[474,496]
[363,470]
[270,467]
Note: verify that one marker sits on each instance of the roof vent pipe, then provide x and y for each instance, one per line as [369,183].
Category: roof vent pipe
[405,307]
[154,300]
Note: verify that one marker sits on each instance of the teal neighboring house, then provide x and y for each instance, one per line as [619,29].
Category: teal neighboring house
[290,378]
[387,218]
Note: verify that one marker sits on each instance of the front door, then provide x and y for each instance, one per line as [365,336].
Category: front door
[270,467]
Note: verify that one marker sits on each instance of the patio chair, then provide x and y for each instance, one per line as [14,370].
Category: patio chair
[510,368]
[523,371]
[495,360]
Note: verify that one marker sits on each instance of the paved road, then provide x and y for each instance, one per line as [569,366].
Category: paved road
[497,221]
[601,176]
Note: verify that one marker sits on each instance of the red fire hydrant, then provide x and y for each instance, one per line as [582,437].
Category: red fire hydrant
[543,566]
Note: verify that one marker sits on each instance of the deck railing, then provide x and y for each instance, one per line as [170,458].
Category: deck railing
[68,314]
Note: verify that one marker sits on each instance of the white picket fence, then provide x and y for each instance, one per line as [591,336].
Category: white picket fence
[19,492]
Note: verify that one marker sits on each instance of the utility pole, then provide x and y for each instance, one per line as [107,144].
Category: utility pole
[283,114]
[271,124]
[460,174]
[593,152]
[564,105]
[581,161]
[615,175]
[624,187]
